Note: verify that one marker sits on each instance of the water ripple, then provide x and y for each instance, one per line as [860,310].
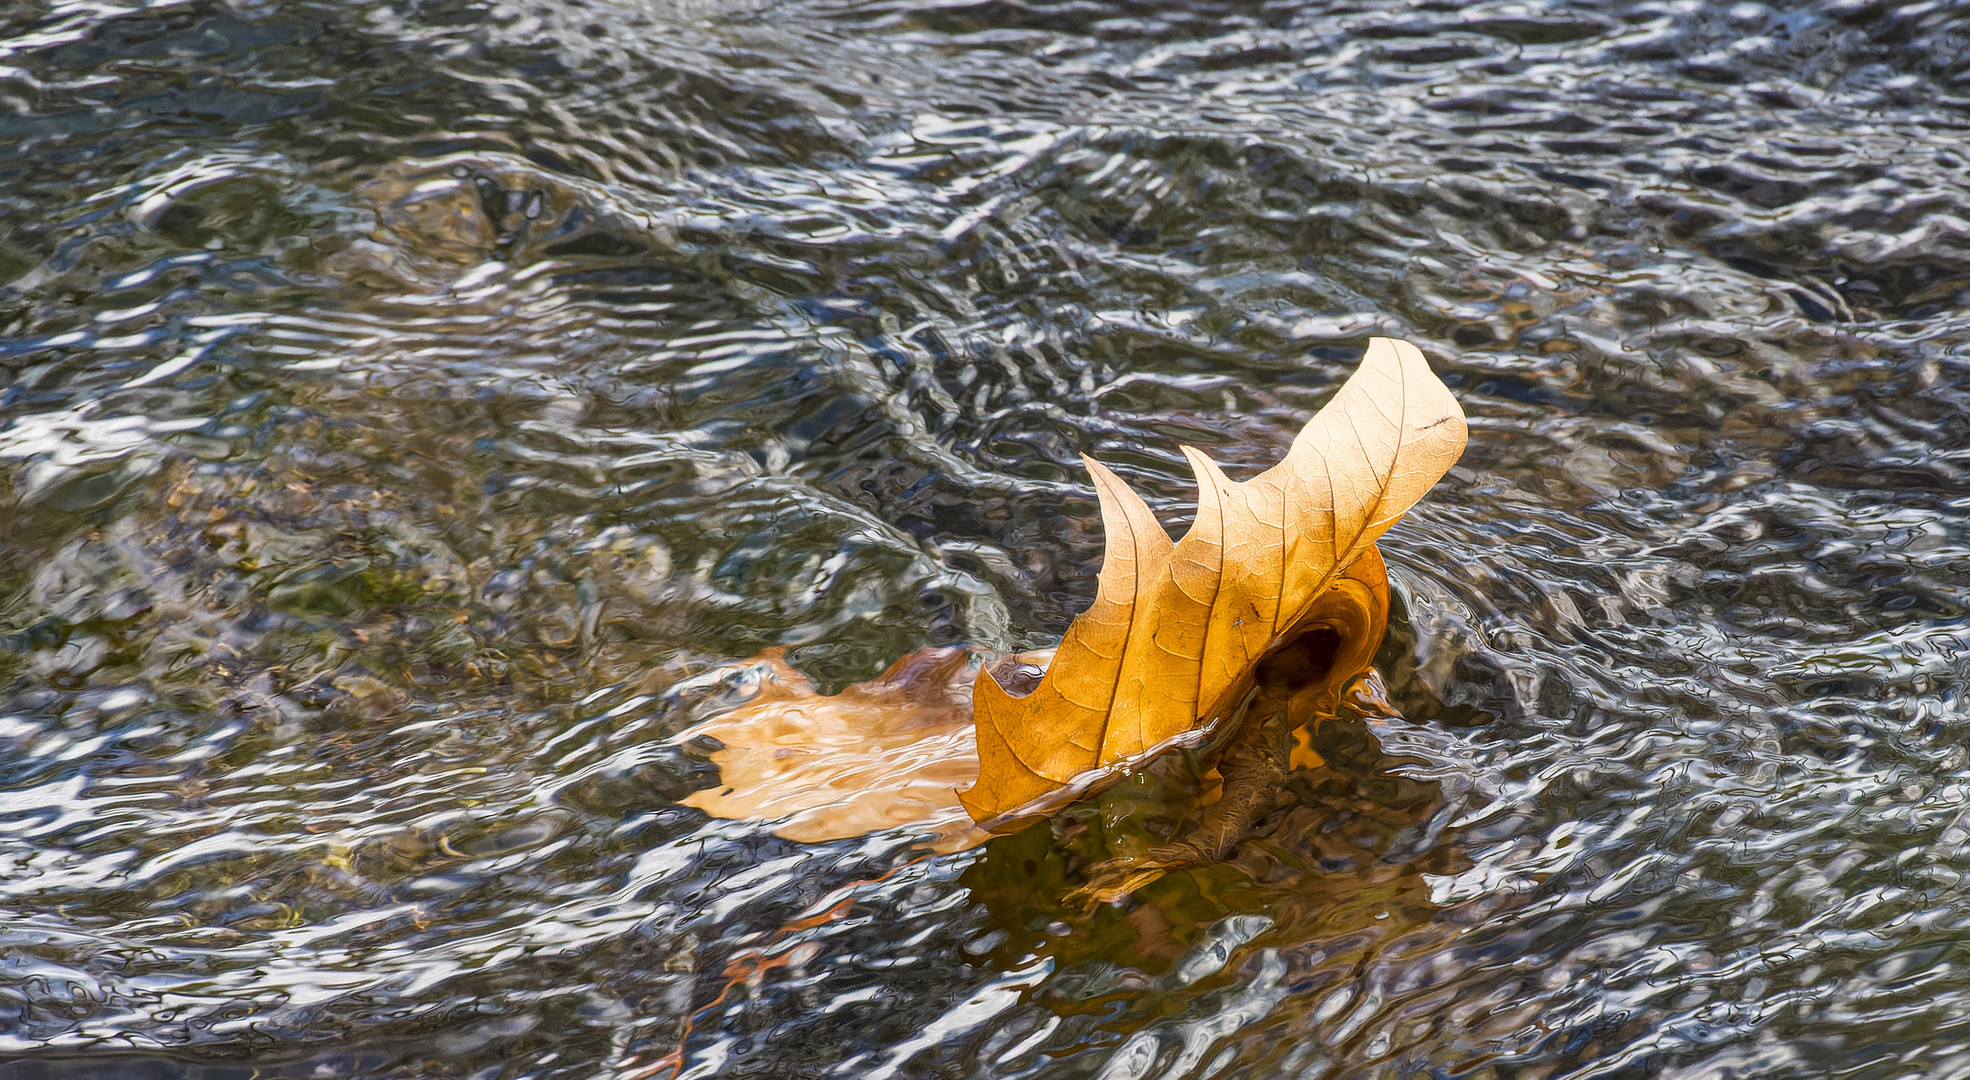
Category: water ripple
[412,416]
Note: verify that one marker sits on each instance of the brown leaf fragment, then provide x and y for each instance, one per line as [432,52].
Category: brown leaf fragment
[884,753]
[1170,645]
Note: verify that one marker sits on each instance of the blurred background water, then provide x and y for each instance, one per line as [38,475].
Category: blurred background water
[413,413]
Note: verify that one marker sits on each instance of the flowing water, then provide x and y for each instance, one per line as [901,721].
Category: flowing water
[412,414]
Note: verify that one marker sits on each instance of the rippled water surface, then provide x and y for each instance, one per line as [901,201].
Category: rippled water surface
[413,414]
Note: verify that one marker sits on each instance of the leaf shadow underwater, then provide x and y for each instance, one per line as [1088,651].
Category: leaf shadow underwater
[1351,853]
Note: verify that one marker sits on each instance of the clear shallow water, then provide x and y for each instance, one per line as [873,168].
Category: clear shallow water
[411,415]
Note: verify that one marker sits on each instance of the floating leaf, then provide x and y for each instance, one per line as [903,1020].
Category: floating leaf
[1170,645]
[1277,588]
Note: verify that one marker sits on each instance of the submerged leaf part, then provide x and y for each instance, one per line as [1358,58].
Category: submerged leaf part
[880,754]
[1169,646]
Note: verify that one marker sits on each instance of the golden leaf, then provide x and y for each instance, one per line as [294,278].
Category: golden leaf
[1170,645]
[1277,587]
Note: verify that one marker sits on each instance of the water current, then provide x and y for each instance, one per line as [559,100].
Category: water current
[412,414]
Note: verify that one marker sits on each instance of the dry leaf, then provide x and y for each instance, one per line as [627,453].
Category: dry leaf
[1277,585]
[1170,644]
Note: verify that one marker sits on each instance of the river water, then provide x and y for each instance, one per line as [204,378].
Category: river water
[413,414]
